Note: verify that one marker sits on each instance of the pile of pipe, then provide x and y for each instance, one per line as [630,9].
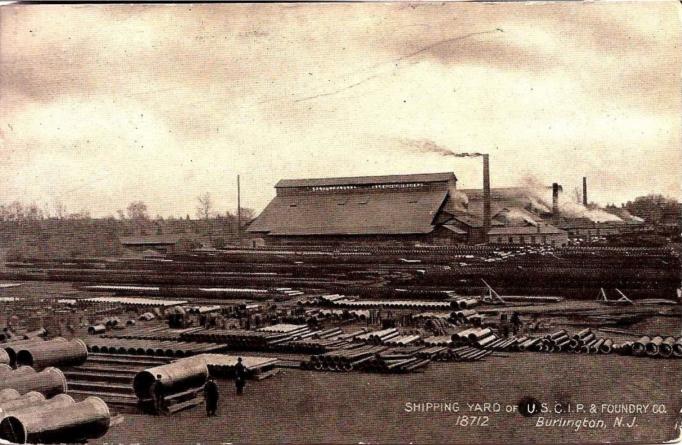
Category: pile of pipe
[463,316]
[506,344]
[468,354]
[262,339]
[31,418]
[155,333]
[479,337]
[403,340]
[224,365]
[48,382]
[464,303]
[585,342]
[393,304]
[378,337]
[394,362]
[56,352]
[203,309]
[11,348]
[337,314]
[319,342]
[438,325]
[440,340]
[170,348]
[658,346]
[345,360]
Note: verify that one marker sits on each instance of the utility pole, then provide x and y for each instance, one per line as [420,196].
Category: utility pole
[239,213]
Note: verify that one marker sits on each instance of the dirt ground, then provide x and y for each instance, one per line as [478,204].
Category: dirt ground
[303,407]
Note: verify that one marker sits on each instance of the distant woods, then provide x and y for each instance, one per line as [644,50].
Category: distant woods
[30,231]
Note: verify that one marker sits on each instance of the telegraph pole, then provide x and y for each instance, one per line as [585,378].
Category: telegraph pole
[239,213]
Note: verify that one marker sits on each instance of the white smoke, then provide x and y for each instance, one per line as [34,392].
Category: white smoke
[542,194]
[428,146]
[517,216]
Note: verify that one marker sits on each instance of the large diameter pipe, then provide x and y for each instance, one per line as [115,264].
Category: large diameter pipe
[666,348]
[606,347]
[677,348]
[71,353]
[653,346]
[9,394]
[74,423]
[4,357]
[58,401]
[13,347]
[479,334]
[175,377]
[639,347]
[29,399]
[5,369]
[49,382]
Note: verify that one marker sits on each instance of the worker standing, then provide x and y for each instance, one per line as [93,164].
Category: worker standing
[516,323]
[240,376]
[211,395]
[156,391]
[504,326]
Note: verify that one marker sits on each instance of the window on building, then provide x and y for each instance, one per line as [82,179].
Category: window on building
[544,239]
[522,239]
[511,239]
[532,240]
[499,239]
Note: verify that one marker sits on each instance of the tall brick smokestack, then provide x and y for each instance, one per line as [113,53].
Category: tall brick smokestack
[584,191]
[555,203]
[486,197]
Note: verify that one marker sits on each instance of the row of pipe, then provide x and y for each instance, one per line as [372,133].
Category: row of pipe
[33,419]
[170,348]
[658,346]
[24,379]
[42,354]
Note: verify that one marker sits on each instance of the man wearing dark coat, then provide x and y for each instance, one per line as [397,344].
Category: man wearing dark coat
[211,396]
[240,376]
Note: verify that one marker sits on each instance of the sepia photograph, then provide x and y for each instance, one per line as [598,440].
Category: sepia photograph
[341,223]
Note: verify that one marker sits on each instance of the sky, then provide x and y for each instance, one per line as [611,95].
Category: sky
[101,105]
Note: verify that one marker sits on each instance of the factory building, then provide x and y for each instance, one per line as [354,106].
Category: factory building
[396,209]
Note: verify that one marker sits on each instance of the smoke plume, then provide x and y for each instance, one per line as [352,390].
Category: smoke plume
[428,146]
[541,194]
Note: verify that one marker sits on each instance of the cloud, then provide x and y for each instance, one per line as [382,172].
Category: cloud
[105,104]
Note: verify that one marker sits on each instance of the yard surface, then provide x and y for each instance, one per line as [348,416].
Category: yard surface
[322,407]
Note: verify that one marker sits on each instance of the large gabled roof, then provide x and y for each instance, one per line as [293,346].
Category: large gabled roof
[351,213]
[367,180]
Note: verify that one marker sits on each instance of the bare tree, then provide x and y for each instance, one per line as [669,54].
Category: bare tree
[137,210]
[121,214]
[205,206]
[59,209]
[247,215]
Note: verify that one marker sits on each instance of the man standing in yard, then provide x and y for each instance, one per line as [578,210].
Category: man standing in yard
[516,323]
[156,391]
[211,395]
[240,376]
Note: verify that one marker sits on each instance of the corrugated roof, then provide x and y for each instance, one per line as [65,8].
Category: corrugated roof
[404,212]
[366,180]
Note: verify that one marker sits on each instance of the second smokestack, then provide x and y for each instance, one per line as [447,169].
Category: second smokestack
[486,197]
[555,203]
[585,191]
